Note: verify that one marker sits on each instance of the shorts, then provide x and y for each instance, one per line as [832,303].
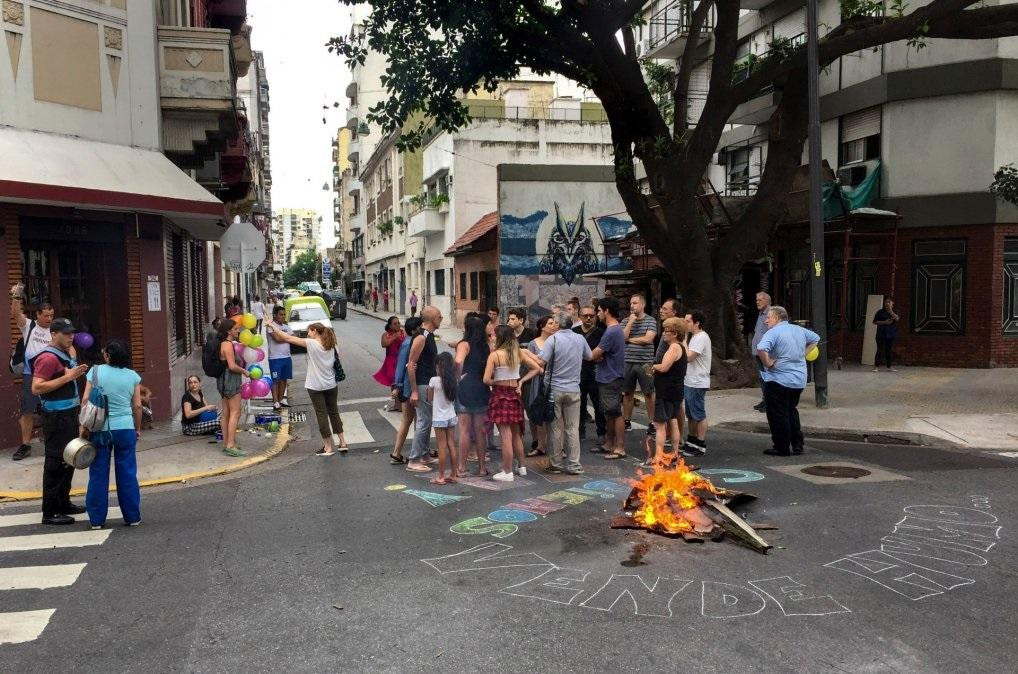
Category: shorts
[666,410]
[696,408]
[633,373]
[29,401]
[463,409]
[443,423]
[281,368]
[611,398]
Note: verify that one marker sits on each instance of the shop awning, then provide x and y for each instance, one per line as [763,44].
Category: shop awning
[50,169]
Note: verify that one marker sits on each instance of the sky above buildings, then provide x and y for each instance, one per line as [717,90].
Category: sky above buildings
[303,77]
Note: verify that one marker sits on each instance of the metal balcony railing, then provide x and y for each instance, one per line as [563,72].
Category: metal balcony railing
[591,114]
[750,63]
[673,22]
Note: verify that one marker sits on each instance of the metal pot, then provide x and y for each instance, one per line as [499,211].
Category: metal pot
[79,453]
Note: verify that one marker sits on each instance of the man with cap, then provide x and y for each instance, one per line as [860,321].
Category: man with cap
[55,372]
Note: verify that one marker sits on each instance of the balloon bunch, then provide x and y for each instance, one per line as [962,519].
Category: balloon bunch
[258,386]
[247,351]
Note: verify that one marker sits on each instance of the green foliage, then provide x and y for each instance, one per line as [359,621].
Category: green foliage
[661,83]
[1005,184]
[852,9]
[422,200]
[385,228]
[306,267]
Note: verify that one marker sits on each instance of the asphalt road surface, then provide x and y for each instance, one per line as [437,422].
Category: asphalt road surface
[347,563]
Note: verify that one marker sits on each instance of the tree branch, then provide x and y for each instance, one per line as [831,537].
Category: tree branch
[718,107]
[680,94]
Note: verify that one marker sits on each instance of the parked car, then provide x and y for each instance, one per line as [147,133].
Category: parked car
[336,299]
[303,311]
[310,288]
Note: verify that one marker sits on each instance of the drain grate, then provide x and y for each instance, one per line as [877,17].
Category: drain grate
[847,472]
[297,417]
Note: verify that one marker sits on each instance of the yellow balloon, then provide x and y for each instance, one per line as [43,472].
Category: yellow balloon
[245,337]
[249,321]
[813,353]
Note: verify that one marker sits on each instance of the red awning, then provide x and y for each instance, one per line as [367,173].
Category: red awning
[466,243]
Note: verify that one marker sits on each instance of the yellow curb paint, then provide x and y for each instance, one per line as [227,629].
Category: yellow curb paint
[395,487]
[282,437]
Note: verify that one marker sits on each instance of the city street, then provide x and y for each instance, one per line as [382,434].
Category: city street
[349,563]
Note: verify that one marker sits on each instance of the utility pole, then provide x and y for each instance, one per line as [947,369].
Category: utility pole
[818,278]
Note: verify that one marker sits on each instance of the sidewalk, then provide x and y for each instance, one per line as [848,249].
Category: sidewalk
[449,334]
[938,407]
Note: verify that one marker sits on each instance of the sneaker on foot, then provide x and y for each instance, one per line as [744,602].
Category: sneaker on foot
[95,527]
[22,452]
[629,425]
[134,524]
[691,450]
[574,471]
[233,451]
[502,476]
[276,406]
[521,471]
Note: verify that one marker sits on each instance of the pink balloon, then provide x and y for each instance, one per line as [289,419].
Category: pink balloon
[261,355]
[246,391]
[260,388]
[238,349]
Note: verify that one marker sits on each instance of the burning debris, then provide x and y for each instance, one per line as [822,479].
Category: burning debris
[679,502]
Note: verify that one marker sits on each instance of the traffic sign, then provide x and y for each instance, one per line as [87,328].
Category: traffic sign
[242,247]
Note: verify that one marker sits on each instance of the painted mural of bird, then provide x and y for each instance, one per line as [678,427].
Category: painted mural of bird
[570,250]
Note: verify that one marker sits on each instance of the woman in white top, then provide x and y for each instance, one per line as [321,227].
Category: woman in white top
[441,394]
[320,382]
[502,374]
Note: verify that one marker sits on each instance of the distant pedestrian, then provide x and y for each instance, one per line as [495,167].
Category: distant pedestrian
[886,321]
[392,339]
[401,390]
[669,374]
[385,299]
[505,410]
[610,355]
[35,336]
[563,356]
[442,395]
[228,384]
[197,417]
[413,303]
[374,299]
[472,394]
[697,383]
[258,309]
[639,330]
[591,331]
[280,361]
[783,351]
[421,368]
[763,305]
[119,438]
[55,373]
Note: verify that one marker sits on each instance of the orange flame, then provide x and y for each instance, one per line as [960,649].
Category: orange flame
[667,499]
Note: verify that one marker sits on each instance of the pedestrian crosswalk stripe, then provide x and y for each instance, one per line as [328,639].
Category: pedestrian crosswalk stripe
[39,577]
[71,539]
[354,430]
[395,418]
[36,518]
[17,628]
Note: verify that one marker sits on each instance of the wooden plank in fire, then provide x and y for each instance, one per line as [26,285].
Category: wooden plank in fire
[736,526]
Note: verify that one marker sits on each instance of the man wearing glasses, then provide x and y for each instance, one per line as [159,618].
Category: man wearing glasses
[592,331]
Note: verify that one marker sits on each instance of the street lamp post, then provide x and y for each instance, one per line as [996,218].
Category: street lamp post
[818,283]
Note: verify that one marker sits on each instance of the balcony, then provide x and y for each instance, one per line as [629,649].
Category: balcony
[351,89]
[352,120]
[354,150]
[425,222]
[197,88]
[358,221]
[355,187]
[669,30]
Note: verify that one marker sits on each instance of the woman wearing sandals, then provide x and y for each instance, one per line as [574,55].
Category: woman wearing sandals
[392,338]
[546,327]
[401,391]
[320,383]
[502,373]
[472,394]
[228,384]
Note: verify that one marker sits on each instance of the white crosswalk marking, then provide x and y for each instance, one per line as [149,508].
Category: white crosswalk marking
[39,577]
[36,518]
[71,539]
[17,628]
[394,419]
[354,430]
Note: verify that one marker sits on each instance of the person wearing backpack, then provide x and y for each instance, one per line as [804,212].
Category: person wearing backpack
[35,337]
[121,386]
[229,377]
[55,372]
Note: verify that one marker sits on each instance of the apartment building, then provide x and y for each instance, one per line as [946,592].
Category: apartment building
[912,138]
[294,231]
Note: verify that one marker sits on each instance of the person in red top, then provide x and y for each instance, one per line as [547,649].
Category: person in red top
[55,371]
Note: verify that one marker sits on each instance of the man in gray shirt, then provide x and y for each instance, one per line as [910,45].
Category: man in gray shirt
[763,304]
[563,355]
[639,329]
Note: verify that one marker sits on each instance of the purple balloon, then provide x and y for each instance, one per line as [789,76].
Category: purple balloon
[83,340]
[260,388]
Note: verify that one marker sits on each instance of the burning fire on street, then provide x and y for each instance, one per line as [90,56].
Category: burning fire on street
[677,501]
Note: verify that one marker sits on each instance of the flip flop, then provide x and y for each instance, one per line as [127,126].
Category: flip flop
[611,456]
[397,460]
[451,480]
[421,469]
[437,480]
[342,448]
[535,452]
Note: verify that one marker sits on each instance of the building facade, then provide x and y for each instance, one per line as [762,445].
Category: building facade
[294,231]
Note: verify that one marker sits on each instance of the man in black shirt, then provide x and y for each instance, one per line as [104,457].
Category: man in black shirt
[592,331]
[517,320]
[420,369]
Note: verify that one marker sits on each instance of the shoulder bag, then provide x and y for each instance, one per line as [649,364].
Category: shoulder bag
[95,411]
[337,367]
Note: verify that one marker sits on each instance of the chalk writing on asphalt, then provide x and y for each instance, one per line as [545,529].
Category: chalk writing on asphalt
[933,549]
[659,597]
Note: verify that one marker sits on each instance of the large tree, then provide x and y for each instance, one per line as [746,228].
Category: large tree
[439,49]
[307,266]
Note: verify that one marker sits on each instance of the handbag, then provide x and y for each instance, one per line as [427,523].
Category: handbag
[95,411]
[542,410]
[337,367]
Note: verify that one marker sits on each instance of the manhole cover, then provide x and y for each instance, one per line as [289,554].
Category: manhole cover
[836,471]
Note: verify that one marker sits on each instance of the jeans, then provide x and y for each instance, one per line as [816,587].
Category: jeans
[567,423]
[589,391]
[422,438]
[121,445]
[326,411]
[884,347]
[58,429]
[783,416]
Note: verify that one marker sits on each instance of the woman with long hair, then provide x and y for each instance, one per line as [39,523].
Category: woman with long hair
[228,384]
[401,390]
[119,437]
[441,395]
[392,339]
[472,395]
[320,383]
[669,372]
[502,374]
[546,327]
[197,416]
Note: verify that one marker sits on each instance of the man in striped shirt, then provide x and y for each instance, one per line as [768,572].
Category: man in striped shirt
[639,329]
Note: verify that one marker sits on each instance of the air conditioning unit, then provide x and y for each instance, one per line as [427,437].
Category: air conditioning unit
[642,47]
[853,174]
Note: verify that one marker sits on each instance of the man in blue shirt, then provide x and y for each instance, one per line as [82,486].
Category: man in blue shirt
[782,350]
[610,356]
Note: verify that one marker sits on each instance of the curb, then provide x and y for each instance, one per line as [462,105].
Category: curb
[364,312]
[282,438]
[870,437]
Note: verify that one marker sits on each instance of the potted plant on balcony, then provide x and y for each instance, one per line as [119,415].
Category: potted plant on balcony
[385,228]
[440,202]
[398,221]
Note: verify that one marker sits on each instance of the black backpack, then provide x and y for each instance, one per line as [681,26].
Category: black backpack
[210,361]
[18,355]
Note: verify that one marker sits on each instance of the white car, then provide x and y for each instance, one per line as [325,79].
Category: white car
[304,314]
